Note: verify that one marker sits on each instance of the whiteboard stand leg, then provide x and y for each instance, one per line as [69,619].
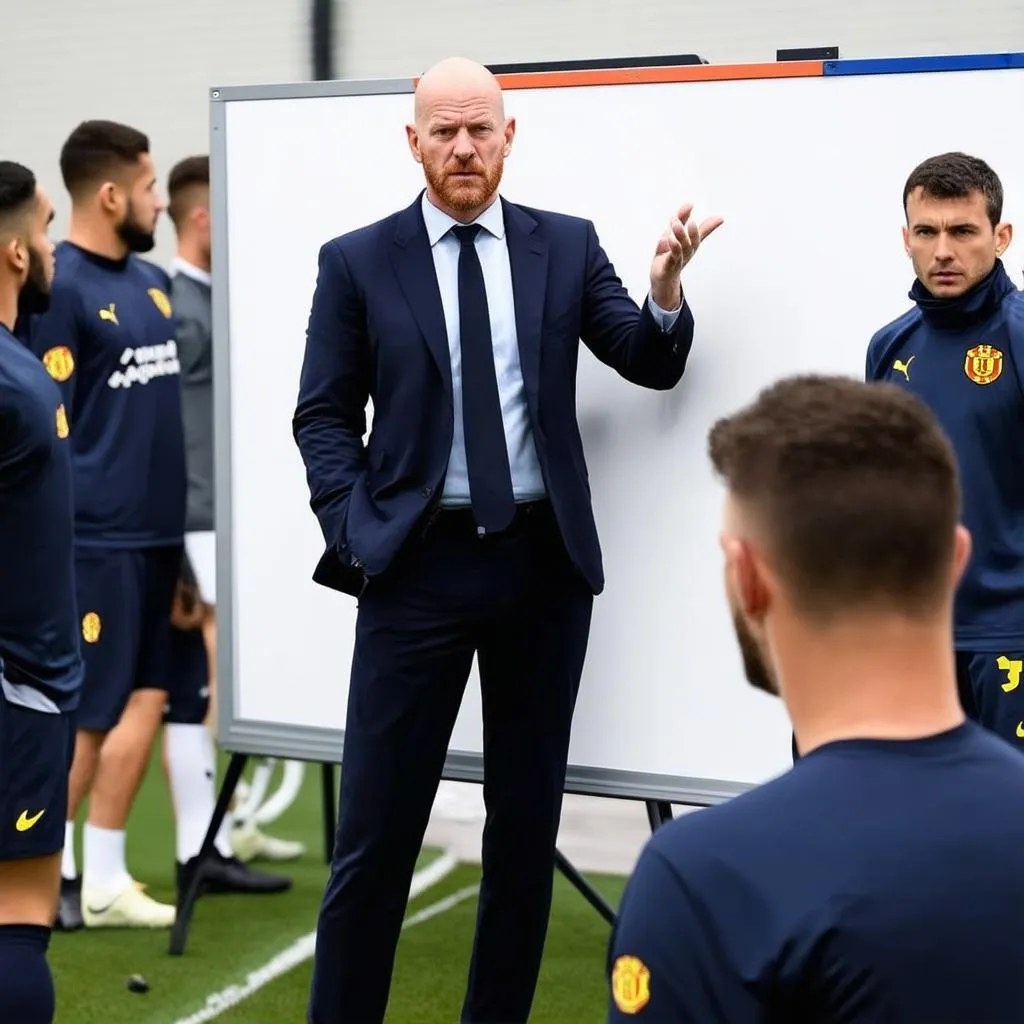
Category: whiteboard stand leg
[330,810]
[658,813]
[589,893]
[187,899]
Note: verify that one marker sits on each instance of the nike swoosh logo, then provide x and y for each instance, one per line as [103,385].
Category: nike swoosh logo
[101,910]
[24,822]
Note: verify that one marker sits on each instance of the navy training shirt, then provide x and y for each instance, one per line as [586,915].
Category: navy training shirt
[108,339]
[39,645]
[964,358]
[876,881]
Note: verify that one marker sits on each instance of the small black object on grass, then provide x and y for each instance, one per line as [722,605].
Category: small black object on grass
[137,983]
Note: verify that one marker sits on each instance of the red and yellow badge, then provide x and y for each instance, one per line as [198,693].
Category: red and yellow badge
[631,984]
[59,362]
[983,364]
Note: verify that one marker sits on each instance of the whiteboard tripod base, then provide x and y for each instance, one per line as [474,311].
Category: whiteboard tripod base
[186,900]
[658,812]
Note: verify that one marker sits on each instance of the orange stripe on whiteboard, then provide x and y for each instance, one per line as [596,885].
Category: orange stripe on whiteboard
[683,73]
[639,76]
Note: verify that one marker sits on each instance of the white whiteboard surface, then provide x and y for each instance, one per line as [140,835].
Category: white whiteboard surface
[808,174]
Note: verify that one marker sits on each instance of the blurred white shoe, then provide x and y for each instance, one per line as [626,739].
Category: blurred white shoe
[249,844]
[128,907]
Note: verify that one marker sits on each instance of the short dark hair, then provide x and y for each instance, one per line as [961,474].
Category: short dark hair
[98,150]
[855,487]
[956,176]
[17,193]
[186,177]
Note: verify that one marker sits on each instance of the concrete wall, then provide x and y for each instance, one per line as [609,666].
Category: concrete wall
[151,64]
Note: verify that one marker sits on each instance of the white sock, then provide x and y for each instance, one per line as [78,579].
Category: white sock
[68,868]
[192,772]
[103,863]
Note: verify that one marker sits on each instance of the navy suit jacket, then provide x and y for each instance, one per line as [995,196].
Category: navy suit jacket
[377,332]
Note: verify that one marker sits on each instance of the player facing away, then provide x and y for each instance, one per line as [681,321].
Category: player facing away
[40,661]
[960,348]
[867,883]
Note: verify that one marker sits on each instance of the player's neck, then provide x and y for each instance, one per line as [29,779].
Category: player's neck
[96,236]
[193,254]
[8,303]
[871,680]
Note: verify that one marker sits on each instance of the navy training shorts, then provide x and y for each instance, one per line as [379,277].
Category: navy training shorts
[188,684]
[991,690]
[37,744]
[124,599]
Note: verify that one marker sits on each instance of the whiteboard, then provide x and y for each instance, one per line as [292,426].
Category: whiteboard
[808,173]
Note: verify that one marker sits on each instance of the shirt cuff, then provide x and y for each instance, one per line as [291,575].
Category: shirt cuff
[665,320]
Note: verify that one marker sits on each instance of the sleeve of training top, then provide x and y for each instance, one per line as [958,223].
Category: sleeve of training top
[872,359]
[665,962]
[1015,324]
[18,449]
[55,337]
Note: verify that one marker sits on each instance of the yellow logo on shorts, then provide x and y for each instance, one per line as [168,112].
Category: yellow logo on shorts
[59,362]
[24,822]
[631,984]
[1012,668]
[62,421]
[160,301]
[91,627]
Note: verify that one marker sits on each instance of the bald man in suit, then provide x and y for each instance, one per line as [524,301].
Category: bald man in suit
[464,525]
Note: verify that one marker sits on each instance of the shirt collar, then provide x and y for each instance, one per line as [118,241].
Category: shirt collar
[181,266]
[438,222]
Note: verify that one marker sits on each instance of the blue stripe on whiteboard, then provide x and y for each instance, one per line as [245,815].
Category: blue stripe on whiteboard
[909,65]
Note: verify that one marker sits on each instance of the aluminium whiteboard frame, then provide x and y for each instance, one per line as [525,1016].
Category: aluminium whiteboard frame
[309,743]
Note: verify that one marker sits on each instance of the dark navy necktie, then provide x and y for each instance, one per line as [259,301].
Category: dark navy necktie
[490,479]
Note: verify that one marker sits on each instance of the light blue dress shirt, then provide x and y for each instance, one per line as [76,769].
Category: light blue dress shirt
[527,481]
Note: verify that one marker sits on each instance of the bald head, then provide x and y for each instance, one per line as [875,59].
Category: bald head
[461,136]
[457,80]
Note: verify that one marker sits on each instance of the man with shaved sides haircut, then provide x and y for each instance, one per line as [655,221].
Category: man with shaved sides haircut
[108,341]
[40,662]
[463,526]
[879,879]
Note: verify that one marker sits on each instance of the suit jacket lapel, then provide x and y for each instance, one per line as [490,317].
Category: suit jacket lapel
[528,257]
[414,267]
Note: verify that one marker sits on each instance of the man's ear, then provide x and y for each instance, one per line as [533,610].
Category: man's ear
[749,581]
[413,138]
[15,254]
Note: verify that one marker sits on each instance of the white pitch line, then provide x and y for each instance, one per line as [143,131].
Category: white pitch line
[303,948]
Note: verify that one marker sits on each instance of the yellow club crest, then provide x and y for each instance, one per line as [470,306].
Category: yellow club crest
[160,301]
[631,984]
[91,627]
[59,362]
[983,364]
[62,422]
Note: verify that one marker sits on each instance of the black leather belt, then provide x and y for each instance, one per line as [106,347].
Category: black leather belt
[459,520]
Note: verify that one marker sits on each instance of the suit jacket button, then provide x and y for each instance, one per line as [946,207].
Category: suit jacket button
[427,491]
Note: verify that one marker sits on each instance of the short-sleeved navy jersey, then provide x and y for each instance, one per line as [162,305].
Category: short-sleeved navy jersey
[108,339]
[965,358]
[877,881]
[39,643]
